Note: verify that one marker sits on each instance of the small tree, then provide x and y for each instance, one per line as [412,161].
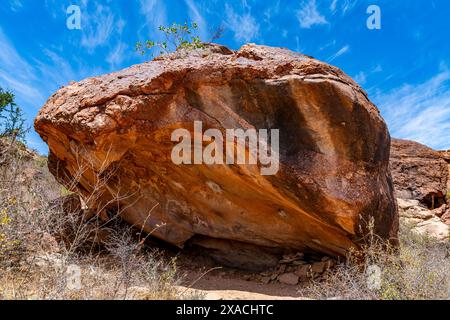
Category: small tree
[12,120]
[177,36]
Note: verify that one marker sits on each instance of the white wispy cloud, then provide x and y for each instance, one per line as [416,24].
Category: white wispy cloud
[348,6]
[15,72]
[195,16]
[117,55]
[56,70]
[308,15]
[342,6]
[97,28]
[377,68]
[120,25]
[27,91]
[55,7]
[154,12]
[245,27]
[298,48]
[333,5]
[360,78]
[270,12]
[327,45]
[419,112]
[33,79]
[10,58]
[16,5]
[102,26]
[339,53]
[17,75]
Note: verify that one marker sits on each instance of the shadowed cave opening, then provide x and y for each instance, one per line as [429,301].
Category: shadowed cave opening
[434,200]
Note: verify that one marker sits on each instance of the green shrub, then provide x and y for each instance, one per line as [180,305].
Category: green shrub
[177,36]
[12,121]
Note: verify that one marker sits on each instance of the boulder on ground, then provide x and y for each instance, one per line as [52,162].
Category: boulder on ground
[112,135]
[433,228]
[288,278]
[412,209]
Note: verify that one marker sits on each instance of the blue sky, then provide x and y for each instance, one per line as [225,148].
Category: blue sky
[404,66]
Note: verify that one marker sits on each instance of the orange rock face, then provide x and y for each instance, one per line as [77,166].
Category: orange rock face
[419,173]
[446,156]
[334,149]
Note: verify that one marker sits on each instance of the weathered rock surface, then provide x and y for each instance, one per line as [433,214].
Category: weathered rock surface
[424,221]
[334,149]
[434,228]
[446,156]
[412,209]
[419,173]
[446,217]
[288,278]
[295,268]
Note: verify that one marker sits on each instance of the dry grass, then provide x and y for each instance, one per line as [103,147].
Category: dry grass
[419,269]
[43,247]
[41,243]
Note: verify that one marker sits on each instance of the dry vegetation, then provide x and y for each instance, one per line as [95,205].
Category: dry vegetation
[419,269]
[43,246]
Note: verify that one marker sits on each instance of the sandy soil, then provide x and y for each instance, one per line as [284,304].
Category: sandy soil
[215,282]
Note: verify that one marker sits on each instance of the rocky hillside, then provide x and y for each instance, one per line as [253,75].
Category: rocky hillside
[421,179]
[419,173]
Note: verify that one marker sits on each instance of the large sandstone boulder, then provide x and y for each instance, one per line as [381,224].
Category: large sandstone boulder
[334,150]
[419,173]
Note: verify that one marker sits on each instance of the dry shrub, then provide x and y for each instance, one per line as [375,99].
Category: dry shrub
[39,242]
[419,269]
[34,257]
